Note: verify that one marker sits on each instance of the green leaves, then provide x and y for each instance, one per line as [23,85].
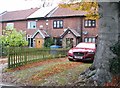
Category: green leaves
[48,42]
[90,7]
[13,38]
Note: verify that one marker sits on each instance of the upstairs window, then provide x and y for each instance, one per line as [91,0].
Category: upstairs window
[58,24]
[9,26]
[32,25]
[90,39]
[90,23]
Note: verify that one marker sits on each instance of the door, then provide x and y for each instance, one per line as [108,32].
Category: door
[69,42]
[38,43]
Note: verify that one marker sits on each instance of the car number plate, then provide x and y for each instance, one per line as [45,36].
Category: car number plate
[79,57]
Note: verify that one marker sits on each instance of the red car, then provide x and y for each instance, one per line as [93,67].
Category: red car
[83,52]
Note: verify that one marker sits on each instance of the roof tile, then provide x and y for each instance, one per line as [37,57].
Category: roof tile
[18,15]
[60,11]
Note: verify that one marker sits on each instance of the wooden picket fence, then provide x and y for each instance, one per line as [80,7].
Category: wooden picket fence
[18,56]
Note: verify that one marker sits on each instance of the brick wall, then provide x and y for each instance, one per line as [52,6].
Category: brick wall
[0,29]
[74,23]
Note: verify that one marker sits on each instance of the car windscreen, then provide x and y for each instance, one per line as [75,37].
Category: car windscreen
[86,45]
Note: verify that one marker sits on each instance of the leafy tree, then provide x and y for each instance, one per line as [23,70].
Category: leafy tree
[90,7]
[48,42]
[12,38]
[105,60]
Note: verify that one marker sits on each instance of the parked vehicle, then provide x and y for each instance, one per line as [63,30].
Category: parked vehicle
[83,52]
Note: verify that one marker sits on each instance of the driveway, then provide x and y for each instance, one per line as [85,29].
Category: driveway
[3,64]
[52,72]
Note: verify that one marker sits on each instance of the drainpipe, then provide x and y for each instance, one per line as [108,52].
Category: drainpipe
[81,33]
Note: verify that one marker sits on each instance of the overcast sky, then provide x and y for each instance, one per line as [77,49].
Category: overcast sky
[12,5]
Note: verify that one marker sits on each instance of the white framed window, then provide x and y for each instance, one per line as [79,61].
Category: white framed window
[9,26]
[85,40]
[90,39]
[90,23]
[58,24]
[86,24]
[31,25]
[54,24]
[93,23]
[93,40]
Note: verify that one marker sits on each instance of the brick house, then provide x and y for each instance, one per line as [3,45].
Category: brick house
[62,24]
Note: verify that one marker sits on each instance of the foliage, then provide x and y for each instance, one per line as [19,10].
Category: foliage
[90,7]
[115,63]
[48,42]
[12,38]
[116,48]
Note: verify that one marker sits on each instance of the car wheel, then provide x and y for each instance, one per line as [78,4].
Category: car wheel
[71,60]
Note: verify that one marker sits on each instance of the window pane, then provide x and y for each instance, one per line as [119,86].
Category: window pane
[86,39]
[93,23]
[93,40]
[54,24]
[58,25]
[86,23]
[61,24]
[89,23]
[32,25]
[90,40]
[10,26]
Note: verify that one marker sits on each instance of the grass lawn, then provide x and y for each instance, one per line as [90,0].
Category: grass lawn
[53,72]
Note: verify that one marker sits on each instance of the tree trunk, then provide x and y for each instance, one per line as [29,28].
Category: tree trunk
[108,35]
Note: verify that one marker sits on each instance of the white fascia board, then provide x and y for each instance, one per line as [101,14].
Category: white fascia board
[38,31]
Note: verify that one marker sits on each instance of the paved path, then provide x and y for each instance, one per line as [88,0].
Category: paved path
[3,65]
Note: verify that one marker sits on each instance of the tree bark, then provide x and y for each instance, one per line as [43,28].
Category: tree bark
[108,35]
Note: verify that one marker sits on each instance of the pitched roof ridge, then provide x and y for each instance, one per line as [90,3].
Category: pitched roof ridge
[71,30]
[33,12]
[3,13]
[52,11]
[23,10]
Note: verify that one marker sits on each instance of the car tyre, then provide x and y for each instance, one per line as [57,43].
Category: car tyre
[71,60]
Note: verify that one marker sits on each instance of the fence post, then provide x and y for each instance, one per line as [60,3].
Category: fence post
[25,56]
[8,57]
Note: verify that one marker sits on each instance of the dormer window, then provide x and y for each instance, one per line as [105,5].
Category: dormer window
[31,25]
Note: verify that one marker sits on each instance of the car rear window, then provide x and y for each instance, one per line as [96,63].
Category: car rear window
[86,45]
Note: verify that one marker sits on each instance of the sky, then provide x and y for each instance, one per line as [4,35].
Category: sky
[13,5]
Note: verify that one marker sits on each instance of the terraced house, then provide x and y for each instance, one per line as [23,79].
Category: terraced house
[67,27]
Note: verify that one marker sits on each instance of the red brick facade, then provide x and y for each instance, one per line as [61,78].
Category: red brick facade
[75,22]
[0,29]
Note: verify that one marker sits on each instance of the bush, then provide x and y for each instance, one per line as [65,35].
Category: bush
[48,42]
[115,63]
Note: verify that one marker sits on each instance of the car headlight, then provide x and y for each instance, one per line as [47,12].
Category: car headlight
[70,51]
[91,52]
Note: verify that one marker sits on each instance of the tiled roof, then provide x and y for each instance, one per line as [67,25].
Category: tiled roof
[52,11]
[18,15]
[61,12]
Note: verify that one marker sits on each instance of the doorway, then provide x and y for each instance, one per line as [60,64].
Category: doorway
[69,42]
[38,43]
